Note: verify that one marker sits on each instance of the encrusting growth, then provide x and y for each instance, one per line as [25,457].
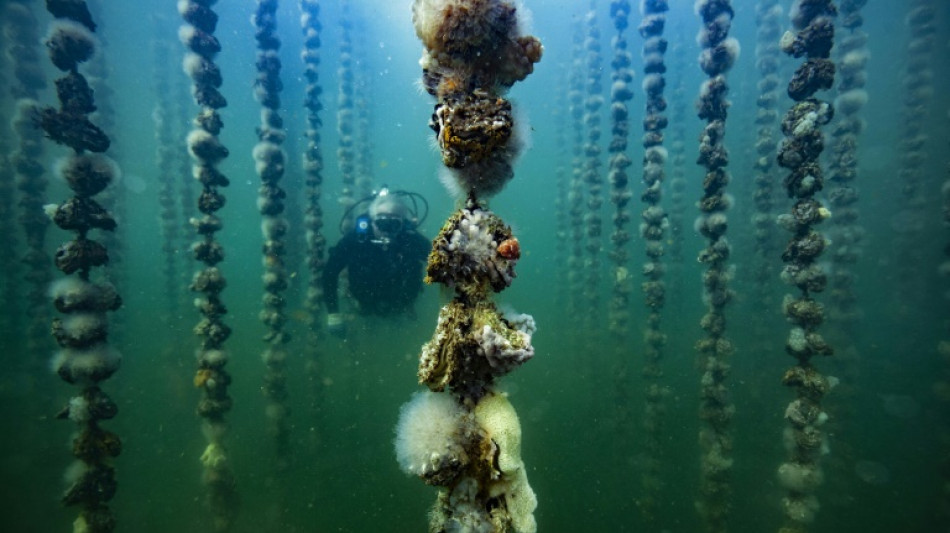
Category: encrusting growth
[211,377]
[618,177]
[112,199]
[313,181]
[591,171]
[85,358]
[914,146]
[767,59]
[800,476]
[847,233]
[652,230]
[575,194]
[346,113]
[468,442]
[166,150]
[719,53]
[26,161]
[270,161]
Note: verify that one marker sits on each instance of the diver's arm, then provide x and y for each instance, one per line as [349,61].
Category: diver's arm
[419,256]
[336,262]
[421,247]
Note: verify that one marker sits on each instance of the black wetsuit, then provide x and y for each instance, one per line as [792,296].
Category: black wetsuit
[384,280]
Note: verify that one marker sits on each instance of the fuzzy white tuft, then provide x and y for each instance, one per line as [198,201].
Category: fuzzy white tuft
[427,18]
[72,35]
[86,366]
[74,472]
[186,32]
[193,65]
[428,427]
[71,167]
[196,137]
[70,288]
[80,325]
[212,358]
[850,102]
[451,182]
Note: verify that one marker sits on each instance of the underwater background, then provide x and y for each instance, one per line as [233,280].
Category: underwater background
[581,399]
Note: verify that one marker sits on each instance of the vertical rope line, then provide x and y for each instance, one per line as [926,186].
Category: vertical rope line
[812,37]
[207,151]
[716,410]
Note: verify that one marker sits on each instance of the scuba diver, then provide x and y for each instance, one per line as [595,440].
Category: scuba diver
[383,256]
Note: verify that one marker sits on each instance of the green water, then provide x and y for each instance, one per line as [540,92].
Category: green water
[580,399]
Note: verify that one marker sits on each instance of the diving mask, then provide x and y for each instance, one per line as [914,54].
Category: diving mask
[388,223]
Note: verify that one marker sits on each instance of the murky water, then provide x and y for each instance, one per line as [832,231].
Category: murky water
[581,398]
